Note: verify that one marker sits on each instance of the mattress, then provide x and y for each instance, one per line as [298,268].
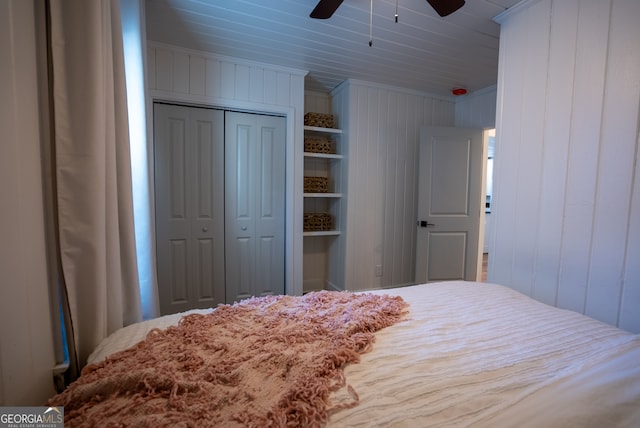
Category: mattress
[479,355]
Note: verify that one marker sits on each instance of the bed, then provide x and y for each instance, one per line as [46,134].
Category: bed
[468,354]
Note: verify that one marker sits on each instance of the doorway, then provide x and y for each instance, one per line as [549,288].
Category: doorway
[490,141]
[220,205]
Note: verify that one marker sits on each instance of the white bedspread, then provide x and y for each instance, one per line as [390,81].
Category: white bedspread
[482,355]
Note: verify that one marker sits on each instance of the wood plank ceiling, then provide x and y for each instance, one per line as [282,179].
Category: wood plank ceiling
[422,51]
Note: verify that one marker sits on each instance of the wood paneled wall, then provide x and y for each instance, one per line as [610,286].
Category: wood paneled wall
[381,126]
[567,179]
[174,70]
[477,110]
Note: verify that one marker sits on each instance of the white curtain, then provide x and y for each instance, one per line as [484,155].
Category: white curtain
[93,174]
[134,33]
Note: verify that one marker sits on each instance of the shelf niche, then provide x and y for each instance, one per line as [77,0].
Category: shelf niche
[318,244]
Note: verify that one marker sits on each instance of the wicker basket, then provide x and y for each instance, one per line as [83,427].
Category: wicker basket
[314,222]
[319,145]
[318,119]
[316,185]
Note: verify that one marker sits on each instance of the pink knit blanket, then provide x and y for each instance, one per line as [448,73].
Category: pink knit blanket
[264,362]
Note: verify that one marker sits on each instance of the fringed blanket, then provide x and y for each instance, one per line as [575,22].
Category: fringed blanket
[264,362]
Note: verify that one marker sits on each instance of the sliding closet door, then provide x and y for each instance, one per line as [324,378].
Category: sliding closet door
[189,201]
[254,204]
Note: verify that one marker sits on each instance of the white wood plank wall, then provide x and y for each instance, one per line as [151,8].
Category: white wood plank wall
[477,109]
[202,78]
[567,181]
[173,70]
[382,125]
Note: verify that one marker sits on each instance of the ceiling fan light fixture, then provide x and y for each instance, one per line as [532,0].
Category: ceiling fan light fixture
[325,9]
[446,7]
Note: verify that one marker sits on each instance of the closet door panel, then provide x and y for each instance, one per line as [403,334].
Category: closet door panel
[220,206]
[240,141]
[173,229]
[270,219]
[255,204]
[207,205]
[189,197]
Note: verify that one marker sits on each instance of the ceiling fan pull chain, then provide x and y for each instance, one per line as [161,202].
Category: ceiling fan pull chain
[371,24]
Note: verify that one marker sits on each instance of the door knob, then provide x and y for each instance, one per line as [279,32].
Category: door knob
[204,229]
[423,223]
[243,228]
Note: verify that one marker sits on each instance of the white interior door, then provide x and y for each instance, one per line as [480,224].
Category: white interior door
[254,205]
[450,205]
[189,202]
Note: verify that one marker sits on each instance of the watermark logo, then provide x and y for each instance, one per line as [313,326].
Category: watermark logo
[32,417]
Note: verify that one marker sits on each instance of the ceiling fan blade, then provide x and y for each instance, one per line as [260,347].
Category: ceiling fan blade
[325,8]
[446,7]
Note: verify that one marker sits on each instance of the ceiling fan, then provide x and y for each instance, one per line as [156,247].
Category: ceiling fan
[325,8]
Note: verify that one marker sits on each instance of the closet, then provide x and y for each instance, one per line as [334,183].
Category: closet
[219,205]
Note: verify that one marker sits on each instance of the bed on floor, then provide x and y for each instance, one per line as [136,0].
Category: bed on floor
[460,354]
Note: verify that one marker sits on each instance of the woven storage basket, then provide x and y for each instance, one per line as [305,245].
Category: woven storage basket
[314,222]
[318,119]
[316,185]
[319,145]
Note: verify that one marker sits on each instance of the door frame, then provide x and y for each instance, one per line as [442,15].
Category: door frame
[293,162]
[483,194]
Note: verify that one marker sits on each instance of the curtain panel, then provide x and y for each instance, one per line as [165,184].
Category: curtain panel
[92,169]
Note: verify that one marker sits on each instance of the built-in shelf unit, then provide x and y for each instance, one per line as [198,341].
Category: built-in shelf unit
[329,201]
